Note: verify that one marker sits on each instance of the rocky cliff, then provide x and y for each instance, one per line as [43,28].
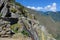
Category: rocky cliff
[17,22]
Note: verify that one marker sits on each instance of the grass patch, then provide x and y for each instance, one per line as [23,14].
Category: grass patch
[0,14]
[13,10]
[11,1]
[58,37]
[24,32]
[15,27]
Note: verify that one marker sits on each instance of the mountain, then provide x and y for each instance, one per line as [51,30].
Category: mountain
[51,20]
[20,23]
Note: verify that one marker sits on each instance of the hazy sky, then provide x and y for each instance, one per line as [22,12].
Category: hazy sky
[46,5]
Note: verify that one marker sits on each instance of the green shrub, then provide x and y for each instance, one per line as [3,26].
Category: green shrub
[0,14]
[24,32]
[13,27]
[18,4]
[13,10]
[11,1]
[58,37]
[30,16]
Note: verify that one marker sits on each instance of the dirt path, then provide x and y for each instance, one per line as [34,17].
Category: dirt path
[15,39]
[8,39]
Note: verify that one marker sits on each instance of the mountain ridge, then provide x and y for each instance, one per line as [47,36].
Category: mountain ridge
[48,20]
[18,22]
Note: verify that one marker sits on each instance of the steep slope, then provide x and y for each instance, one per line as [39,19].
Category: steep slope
[50,20]
[17,22]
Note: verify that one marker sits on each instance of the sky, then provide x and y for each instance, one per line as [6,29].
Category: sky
[41,5]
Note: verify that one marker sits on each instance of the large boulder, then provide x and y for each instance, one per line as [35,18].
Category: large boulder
[14,15]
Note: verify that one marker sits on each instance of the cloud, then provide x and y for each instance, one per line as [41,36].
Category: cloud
[51,7]
[46,8]
[35,8]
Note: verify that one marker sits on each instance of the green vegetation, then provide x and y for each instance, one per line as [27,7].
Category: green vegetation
[58,37]
[15,27]
[11,1]
[18,4]
[13,10]
[30,16]
[24,32]
[0,14]
[25,13]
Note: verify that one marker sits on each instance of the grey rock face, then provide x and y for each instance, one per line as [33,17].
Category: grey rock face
[14,15]
[4,10]
[1,2]
[2,33]
[5,31]
[0,29]
[32,32]
[21,19]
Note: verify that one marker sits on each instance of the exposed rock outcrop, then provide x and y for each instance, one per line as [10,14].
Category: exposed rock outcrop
[16,19]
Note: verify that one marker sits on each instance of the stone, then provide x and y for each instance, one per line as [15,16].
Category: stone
[14,15]
[8,25]
[8,33]
[0,29]
[4,10]
[1,2]
[2,33]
